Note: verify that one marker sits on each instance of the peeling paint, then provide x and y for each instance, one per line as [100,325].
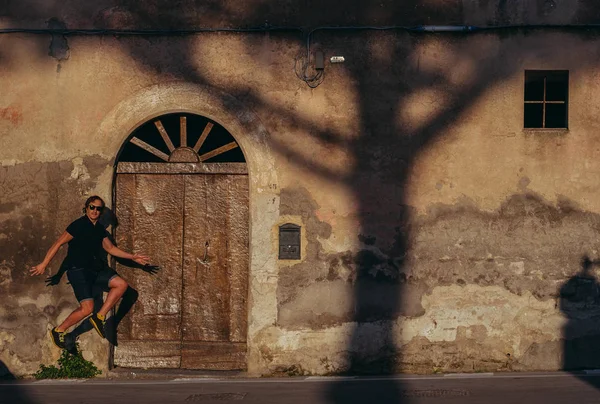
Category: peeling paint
[80,171]
[13,114]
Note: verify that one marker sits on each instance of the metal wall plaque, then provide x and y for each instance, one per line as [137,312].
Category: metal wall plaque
[289,242]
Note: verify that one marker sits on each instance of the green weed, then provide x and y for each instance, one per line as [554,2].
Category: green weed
[69,366]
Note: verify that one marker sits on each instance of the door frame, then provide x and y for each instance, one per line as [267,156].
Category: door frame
[255,140]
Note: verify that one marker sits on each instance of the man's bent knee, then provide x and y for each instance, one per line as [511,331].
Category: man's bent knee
[118,282]
[87,306]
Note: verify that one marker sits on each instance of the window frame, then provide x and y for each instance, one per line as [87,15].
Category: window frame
[544,101]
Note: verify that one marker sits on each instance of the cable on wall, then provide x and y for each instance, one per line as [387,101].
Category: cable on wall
[302,65]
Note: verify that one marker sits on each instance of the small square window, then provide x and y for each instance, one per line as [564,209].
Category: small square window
[546,99]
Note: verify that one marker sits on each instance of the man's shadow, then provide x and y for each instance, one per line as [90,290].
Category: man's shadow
[580,303]
[129,298]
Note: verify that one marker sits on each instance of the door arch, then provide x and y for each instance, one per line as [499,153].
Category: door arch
[181,197]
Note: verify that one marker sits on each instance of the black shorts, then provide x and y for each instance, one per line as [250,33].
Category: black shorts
[89,283]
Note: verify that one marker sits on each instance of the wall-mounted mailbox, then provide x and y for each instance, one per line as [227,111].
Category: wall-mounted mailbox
[289,242]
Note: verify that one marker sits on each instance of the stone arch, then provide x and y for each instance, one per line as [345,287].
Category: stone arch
[218,106]
[253,139]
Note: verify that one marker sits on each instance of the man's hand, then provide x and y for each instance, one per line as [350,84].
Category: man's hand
[141,259]
[151,269]
[37,270]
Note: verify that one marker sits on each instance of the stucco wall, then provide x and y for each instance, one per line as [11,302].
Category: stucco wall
[438,233]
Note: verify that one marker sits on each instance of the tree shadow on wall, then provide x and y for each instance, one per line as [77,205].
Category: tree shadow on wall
[580,303]
[386,73]
[10,392]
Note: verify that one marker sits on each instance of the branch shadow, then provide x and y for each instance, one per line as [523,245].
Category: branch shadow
[380,297]
[384,152]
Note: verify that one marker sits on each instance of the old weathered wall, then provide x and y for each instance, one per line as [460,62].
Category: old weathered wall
[38,199]
[468,226]
[437,232]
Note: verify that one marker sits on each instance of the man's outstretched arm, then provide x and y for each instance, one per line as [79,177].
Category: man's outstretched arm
[41,267]
[117,252]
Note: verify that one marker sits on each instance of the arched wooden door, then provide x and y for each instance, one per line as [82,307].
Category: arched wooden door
[187,208]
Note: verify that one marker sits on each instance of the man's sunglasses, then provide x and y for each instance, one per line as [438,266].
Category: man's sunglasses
[94,207]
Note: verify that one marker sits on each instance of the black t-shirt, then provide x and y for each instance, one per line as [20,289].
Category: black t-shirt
[86,246]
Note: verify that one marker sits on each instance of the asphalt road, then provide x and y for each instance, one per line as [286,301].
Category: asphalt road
[548,388]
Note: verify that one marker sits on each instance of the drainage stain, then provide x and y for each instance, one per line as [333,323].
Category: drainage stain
[216,396]
[434,393]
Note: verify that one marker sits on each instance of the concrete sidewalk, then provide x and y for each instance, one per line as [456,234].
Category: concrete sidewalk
[160,376]
[488,388]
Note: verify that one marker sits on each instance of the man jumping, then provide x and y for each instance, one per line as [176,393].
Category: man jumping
[88,240]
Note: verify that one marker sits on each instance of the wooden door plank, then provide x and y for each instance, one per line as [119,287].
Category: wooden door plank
[205,315]
[213,355]
[158,212]
[148,354]
[125,191]
[237,256]
[151,208]
[148,326]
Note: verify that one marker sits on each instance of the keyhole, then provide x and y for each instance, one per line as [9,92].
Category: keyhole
[205,250]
